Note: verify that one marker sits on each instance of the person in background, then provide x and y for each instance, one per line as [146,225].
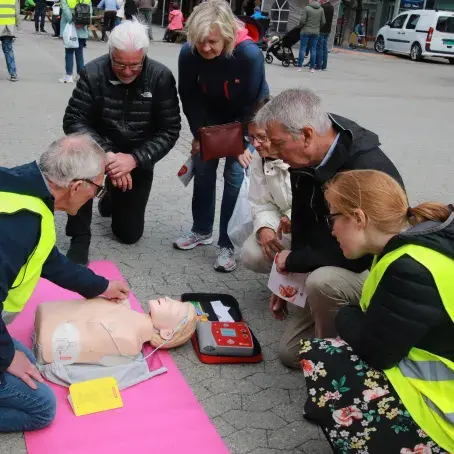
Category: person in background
[40,16]
[270,194]
[386,384]
[325,30]
[221,77]
[317,146]
[56,18]
[120,12]
[129,104]
[29,5]
[67,9]
[312,19]
[69,172]
[8,27]
[110,16]
[130,9]
[146,10]
[258,13]
[175,22]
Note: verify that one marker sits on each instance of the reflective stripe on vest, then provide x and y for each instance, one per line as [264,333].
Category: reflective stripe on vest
[7,12]
[423,381]
[30,272]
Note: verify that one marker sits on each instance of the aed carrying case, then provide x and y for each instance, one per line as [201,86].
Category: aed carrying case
[235,313]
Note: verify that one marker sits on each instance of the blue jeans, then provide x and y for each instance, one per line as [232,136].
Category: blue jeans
[303,44]
[69,58]
[204,196]
[322,51]
[23,408]
[7,47]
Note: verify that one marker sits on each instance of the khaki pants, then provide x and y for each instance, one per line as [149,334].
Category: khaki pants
[328,289]
[253,258]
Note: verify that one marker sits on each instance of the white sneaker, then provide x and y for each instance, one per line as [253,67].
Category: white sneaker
[225,261]
[66,80]
[299,69]
[191,239]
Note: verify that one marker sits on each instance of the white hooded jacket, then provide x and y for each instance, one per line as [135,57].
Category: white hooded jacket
[270,192]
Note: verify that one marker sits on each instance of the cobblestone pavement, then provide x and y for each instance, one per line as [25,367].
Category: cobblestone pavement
[256,408]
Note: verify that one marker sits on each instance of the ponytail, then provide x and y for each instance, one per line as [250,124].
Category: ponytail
[428,211]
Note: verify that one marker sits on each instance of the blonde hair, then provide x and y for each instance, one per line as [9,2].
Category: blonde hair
[181,336]
[382,200]
[208,14]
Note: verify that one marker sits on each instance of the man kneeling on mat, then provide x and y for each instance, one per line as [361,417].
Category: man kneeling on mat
[69,173]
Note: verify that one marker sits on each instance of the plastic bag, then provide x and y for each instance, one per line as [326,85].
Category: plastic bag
[240,226]
[70,36]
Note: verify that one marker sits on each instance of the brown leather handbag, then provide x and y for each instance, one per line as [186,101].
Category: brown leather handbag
[221,141]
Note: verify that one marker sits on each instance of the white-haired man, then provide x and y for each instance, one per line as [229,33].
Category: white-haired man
[317,146]
[68,174]
[129,104]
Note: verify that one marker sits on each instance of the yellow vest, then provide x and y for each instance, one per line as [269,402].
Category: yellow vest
[30,272]
[423,381]
[72,3]
[8,12]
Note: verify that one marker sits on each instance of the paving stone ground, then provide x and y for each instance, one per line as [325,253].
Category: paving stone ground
[256,408]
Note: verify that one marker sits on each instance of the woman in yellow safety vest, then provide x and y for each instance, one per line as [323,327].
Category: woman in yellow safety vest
[386,385]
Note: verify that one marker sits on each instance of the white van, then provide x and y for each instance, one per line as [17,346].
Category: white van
[419,33]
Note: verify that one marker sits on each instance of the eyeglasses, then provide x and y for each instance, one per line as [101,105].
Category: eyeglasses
[100,190]
[331,219]
[262,139]
[134,67]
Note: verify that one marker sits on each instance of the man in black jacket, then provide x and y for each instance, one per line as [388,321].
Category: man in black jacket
[317,145]
[325,30]
[129,104]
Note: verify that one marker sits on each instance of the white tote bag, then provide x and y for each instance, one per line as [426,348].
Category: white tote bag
[70,36]
[240,226]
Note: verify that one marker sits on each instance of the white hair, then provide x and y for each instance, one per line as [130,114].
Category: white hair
[212,13]
[129,35]
[294,109]
[74,157]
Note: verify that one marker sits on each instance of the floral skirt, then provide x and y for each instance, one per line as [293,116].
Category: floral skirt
[355,405]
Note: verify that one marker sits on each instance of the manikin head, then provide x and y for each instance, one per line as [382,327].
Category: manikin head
[298,128]
[174,322]
[73,167]
[128,47]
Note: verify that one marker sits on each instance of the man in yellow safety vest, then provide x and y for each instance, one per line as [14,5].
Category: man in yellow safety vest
[68,174]
[9,22]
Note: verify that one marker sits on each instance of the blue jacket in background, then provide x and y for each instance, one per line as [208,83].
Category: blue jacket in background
[221,90]
[19,235]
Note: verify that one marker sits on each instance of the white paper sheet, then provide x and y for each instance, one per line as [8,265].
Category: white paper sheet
[290,287]
[221,311]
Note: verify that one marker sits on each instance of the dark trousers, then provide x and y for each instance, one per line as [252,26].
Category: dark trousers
[40,13]
[110,17]
[56,20]
[128,210]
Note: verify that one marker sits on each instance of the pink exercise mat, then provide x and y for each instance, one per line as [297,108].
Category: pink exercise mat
[159,415]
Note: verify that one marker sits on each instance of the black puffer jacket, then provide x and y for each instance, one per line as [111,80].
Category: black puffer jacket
[313,245]
[406,310]
[141,118]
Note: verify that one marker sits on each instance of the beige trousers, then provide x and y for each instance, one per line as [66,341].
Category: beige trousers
[328,289]
[252,255]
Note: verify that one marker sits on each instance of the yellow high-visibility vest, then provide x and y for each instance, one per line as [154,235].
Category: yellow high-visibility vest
[423,381]
[30,272]
[8,12]
[72,3]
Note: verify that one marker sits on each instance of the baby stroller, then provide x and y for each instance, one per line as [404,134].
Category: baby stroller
[281,48]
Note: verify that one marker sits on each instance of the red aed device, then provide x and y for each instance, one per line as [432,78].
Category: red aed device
[225,339]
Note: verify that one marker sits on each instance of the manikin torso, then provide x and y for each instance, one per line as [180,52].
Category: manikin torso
[100,331]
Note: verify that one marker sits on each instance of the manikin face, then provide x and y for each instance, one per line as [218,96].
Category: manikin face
[166,314]
[212,46]
[127,64]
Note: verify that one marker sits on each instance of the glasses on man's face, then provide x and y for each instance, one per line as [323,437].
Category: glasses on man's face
[331,219]
[134,67]
[259,139]
[100,190]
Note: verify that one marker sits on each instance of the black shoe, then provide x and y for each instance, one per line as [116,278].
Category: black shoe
[43,31]
[78,251]
[105,206]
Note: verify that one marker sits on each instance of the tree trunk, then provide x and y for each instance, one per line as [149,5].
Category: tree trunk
[349,16]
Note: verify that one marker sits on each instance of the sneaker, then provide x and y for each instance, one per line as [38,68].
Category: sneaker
[225,260]
[37,32]
[13,78]
[191,240]
[44,31]
[299,69]
[66,80]
[78,250]
[105,206]
[312,70]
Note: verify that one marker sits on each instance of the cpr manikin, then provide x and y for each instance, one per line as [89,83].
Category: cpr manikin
[70,335]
